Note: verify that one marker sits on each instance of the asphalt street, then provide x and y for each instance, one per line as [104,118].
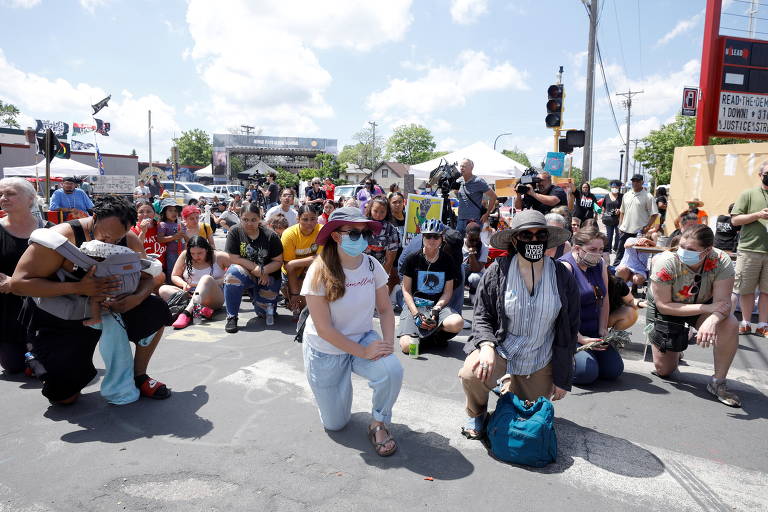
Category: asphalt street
[241,432]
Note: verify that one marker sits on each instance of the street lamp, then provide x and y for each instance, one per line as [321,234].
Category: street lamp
[621,163]
[497,139]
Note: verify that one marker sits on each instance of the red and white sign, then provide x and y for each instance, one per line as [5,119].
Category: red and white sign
[690,101]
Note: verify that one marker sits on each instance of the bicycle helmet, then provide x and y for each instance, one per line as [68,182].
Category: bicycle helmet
[432,226]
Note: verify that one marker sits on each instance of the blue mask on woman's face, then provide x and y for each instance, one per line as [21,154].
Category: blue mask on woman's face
[688,257]
[353,247]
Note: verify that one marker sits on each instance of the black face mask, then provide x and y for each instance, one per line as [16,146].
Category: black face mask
[531,251]
[765,179]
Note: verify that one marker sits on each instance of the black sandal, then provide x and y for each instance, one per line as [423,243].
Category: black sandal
[379,446]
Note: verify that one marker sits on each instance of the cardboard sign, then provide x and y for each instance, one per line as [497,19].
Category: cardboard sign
[418,209]
[555,163]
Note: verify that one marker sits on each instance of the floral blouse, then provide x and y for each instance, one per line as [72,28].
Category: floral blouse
[666,268]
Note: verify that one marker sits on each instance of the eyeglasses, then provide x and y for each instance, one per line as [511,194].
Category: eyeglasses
[696,284]
[432,236]
[527,236]
[355,235]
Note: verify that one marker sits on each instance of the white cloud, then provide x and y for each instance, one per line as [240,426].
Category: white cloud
[24,4]
[681,27]
[445,87]
[447,144]
[59,100]
[91,5]
[465,12]
[260,63]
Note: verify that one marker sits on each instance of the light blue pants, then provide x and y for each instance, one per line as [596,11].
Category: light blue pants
[330,377]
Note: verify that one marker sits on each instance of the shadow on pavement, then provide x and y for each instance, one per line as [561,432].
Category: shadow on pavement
[626,382]
[425,453]
[607,452]
[754,405]
[145,418]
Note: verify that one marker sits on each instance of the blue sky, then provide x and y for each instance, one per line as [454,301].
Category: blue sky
[467,69]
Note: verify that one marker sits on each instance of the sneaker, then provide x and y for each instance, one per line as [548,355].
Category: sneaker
[231,326]
[270,315]
[720,391]
[745,329]
[206,312]
[183,320]
[761,331]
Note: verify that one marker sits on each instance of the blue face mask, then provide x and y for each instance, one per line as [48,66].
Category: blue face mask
[689,258]
[353,247]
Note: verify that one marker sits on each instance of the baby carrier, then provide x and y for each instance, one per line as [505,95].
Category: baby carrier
[126,266]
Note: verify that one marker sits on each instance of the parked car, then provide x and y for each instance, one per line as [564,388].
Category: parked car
[346,191]
[225,191]
[189,190]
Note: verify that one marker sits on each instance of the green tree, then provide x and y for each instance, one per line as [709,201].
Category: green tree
[369,148]
[133,152]
[410,144]
[658,149]
[577,175]
[437,154]
[329,165]
[195,147]
[517,155]
[309,173]
[352,154]
[286,178]
[8,114]
[600,182]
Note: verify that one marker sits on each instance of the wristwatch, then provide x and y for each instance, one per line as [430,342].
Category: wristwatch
[487,343]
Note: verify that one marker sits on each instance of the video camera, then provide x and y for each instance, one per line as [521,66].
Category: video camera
[445,177]
[529,177]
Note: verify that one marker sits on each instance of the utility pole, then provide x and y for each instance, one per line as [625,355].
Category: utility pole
[752,12]
[149,125]
[634,162]
[373,143]
[247,129]
[586,162]
[628,106]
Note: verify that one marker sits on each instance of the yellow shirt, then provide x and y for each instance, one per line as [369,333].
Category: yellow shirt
[297,245]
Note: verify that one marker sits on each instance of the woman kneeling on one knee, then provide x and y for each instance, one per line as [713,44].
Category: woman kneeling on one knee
[526,321]
[343,286]
[198,272]
[428,280]
[586,262]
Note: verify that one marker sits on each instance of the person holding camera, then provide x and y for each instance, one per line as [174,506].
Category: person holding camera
[271,191]
[315,196]
[472,190]
[539,194]
[692,288]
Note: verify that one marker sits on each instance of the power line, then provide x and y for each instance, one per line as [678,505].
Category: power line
[618,34]
[640,45]
[608,92]
[742,30]
[745,16]
[747,2]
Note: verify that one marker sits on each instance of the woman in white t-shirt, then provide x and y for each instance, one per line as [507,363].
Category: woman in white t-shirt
[343,280]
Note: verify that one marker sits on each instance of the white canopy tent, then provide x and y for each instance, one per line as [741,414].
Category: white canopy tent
[206,171]
[489,164]
[59,168]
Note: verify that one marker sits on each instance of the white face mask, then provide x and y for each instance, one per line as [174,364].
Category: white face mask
[614,190]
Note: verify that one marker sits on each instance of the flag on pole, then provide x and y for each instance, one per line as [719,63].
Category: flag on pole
[52,150]
[82,129]
[63,151]
[99,160]
[100,105]
[102,127]
[81,146]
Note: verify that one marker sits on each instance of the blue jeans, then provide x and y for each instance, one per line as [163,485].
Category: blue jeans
[457,298]
[330,377]
[591,365]
[612,234]
[263,295]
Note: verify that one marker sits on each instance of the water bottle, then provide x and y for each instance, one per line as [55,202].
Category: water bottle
[413,348]
[271,314]
[197,316]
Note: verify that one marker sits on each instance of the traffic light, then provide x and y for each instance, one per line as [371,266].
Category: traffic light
[575,138]
[563,146]
[554,117]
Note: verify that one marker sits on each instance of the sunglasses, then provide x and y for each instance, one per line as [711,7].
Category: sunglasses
[432,236]
[527,236]
[697,284]
[355,235]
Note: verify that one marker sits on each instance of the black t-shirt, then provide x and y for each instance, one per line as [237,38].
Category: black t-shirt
[617,290]
[313,194]
[428,279]
[274,192]
[611,209]
[661,204]
[260,250]
[726,234]
[583,207]
[554,190]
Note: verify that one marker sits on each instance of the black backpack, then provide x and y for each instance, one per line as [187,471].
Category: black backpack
[302,322]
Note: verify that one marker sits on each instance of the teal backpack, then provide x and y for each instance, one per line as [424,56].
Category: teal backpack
[523,433]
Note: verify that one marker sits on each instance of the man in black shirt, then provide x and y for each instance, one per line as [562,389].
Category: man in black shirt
[545,197]
[271,191]
[726,234]
[315,196]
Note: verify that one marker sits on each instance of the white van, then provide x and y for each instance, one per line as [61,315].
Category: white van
[189,190]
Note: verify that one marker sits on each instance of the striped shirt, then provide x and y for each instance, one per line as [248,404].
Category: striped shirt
[531,320]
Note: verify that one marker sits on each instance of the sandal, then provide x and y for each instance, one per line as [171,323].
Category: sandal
[379,446]
[720,391]
[474,428]
[151,388]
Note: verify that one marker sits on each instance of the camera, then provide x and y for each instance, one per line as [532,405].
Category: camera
[529,177]
[445,177]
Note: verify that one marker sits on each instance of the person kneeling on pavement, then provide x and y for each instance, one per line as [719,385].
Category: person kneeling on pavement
[526,321]
[428,279]
[692,288]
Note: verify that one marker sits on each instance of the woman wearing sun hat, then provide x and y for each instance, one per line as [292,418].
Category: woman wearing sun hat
[694,206]
[343,287]
[525,285]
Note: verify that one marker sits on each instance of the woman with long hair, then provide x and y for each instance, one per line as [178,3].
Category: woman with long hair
[328,207]
[336,343]
[300,249]
[369,191]
[171,233]
[199,275]
[383,246]
[584,202]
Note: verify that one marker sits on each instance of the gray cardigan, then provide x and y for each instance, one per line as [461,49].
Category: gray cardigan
[490,318]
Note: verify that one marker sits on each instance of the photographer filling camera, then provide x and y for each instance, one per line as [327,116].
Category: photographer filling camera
[536,191]
[472,190]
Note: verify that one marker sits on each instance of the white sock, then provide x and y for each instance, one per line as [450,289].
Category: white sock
[744,323]
[762,325]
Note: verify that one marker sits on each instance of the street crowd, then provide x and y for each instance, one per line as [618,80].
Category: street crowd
[585,268]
